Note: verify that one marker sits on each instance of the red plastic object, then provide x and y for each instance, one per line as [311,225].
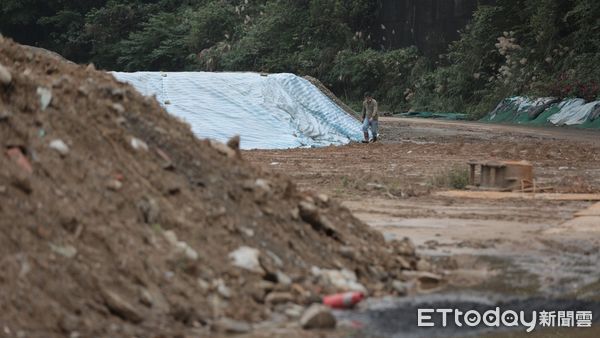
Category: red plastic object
[344,300]
[16,155]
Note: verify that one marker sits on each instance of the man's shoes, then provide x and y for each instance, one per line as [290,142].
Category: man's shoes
[365,141]
[374,139]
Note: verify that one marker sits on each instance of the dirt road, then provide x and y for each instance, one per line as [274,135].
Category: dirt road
[493,245]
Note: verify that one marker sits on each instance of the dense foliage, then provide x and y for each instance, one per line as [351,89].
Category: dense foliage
[537,47]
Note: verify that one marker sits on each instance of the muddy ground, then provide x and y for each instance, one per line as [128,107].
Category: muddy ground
[484,246]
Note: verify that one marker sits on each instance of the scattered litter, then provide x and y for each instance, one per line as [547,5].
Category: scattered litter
[344,300]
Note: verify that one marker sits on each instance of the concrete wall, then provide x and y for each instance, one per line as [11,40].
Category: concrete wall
[428,24]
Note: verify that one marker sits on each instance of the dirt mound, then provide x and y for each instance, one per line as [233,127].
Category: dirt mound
[117,221]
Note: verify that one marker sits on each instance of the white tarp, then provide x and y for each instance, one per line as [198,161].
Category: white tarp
[268,112]
[573,112]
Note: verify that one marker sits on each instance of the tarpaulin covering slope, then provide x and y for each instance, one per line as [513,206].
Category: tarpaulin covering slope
[547,111]
[268,112]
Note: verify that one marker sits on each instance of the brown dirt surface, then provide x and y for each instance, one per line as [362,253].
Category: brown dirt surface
[391,185]
[83,245]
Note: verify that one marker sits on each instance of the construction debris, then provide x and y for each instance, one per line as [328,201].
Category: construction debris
[501,175]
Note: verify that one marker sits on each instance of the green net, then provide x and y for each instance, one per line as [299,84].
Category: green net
[527,111]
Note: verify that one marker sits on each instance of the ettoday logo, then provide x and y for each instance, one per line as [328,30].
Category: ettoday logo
[509,318]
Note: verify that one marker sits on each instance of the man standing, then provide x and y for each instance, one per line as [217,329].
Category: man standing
[370,116]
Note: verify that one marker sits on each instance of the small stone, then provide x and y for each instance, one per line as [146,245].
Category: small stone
[403,262]
[294,311]
[275,298]
[347,252]
[146,297]
[247,231]
[45,95]
[404,247]
[228,325]
[423,265]
[403,288]
[118,93]
[138,144]
[427,281]
[223,148]
[317,316]
[68,323]
[118,306]
[283,279]
[343,280]
[311,215]
[181,246]
[222,289]
[190,253]
[150,210]
[118,108]
[247,258]
[60,146]
[263,185]
[234,143]
[275,258]
[68,251]
[114,185]
[323,198]
[204,285]
[171,237]
[295,213]
[83,90]
[5,115]
[5,76]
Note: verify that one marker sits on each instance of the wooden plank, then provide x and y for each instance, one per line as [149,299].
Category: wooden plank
[494,195]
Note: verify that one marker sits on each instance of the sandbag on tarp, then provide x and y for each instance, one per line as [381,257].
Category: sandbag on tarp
[573,112]
[268,112]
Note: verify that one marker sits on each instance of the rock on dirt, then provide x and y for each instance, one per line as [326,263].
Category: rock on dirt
[60,146]
[45,95]
[5,76]
[138,144]
[317,316]
[342,280]
[247,258]
[117,305]
[231,326]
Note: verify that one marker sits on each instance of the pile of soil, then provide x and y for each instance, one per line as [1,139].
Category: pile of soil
[116,220]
